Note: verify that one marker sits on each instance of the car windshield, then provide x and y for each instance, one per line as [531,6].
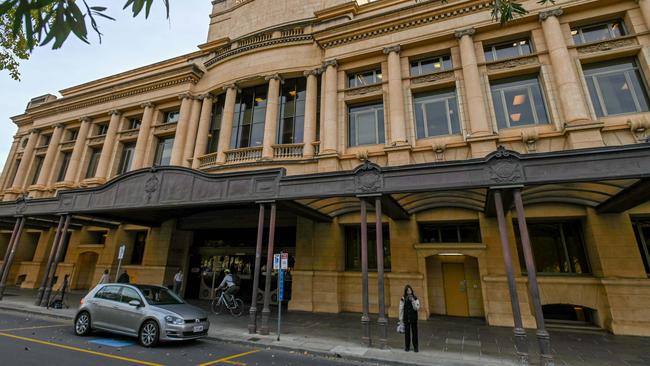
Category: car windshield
[156,295]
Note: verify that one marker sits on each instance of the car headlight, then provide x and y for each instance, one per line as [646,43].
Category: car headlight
[174,320]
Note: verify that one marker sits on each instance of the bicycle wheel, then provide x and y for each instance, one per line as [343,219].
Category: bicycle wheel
[217,306]
[238,308]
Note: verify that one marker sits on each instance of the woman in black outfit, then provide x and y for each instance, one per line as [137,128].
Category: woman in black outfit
[408,315]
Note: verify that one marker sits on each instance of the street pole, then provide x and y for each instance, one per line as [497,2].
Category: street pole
[280,290]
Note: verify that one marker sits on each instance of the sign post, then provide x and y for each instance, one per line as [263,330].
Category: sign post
[284,264]
[120,256]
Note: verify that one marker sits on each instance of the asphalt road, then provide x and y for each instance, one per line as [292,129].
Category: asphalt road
[32,340]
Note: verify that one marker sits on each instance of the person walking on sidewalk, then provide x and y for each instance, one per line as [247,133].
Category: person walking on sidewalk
[408,315]
[124,278]
[105,278]
[178,281]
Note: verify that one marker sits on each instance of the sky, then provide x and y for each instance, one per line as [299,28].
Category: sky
[127,43]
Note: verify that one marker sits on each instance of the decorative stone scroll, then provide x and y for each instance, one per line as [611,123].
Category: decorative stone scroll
[513,63]
[363,90]
[504,167]
[368,177]
[430,78]
[607,45]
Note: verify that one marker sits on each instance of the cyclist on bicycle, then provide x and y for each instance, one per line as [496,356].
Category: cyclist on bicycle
[229,284]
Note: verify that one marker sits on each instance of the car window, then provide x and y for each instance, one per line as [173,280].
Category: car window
[109,293]
[155,295]
[129,294]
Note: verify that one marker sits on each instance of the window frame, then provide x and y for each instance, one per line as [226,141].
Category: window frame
[643,242]
[36,171]
[63,169]
[529,92]
[159,153]
[429,96]
[358,78]
[167,114]
[609,23]
[91,169]
[295,117]
[456,224]
[443,58]
[239,121]
[134,123]
[376,111]
[127,149]
[372,246]
[492,49]
[102,129]
[216,122]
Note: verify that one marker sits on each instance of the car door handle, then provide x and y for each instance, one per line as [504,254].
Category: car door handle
[114,307]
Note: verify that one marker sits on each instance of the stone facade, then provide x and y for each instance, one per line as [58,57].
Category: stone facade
[267,42]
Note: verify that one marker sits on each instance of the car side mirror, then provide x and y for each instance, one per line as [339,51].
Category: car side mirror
[135,303]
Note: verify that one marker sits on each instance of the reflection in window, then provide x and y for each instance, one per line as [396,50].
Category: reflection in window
[465,232]
[71,135]
[171,117]
[38,164]
[616,87]
[139,241]
[248,121]
[518,102]
[642,232]
[436,113]
[65,161]
[363,78]
[134,123]
[353,248]
[164,152]
[126,159]
[366,125]
[102,129]
[92,163]
[598,32]
[215,124]
[509,49]
[292,111]
[558,247]
[430,65]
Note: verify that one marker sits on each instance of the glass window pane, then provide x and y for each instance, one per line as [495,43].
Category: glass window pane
[595,33]
[366,125]
[287,131]
[469,233]
[497,100]
[593,94]
[257,134]
[299,124]
[506,50]
[519,106]
[453,115]
[128,295]
[518,102]
[616,93]
[437,110]
[366,128]
[419,120]
[436,117]
[547,248]
[449,233]
[575,248]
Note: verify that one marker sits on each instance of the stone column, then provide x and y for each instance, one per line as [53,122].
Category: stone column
[50,155]
[478,121]
[143,136]
[109,144]
[644,6]
[77,152]
[11,158]
[311,104]
[193,126]
[181,129]
[226,122]
[271,118]
[574,104]
[11,253]
[57,258]
[395,97]
[329,133]
[203,129]
[25,162]
[55,243]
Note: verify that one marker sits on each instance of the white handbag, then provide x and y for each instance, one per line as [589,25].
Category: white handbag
[400,328]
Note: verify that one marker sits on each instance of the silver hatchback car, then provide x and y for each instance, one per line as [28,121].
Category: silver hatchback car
[152,313]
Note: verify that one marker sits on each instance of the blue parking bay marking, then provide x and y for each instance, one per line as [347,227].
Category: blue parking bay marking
[112,342]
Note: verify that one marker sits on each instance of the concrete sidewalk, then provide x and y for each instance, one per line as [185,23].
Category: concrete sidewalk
[443,341]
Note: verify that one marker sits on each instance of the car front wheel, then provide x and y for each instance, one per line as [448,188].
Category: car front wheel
[82,324]
[149,334]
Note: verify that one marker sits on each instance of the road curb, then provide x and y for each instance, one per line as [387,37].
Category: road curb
[36,312]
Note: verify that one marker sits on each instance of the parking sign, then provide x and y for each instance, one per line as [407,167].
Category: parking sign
[284,261]
[276,261]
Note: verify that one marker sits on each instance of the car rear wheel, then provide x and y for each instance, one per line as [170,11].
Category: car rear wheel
[149,334]
[82,324]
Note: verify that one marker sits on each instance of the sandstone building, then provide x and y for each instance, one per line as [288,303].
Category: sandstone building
[324,113]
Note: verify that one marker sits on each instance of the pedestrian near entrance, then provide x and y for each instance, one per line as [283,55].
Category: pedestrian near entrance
[178,281]
[408,316]
[105,278]
[124,278]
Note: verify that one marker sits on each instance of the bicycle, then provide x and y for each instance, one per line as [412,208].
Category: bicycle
[234,305]
[57,302]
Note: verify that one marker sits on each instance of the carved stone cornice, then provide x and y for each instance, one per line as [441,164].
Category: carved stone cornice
[59,125]
[465,32]
[328,63]
[607,45]
[314,72]
[129,133]
[545,14]
[259,42]
[363,90]
[35,130]
[429,78]
[114,112]
[85,119]
[230,86]
[165,127]
[147,105]
[68,145]
[206,95]
[273,77]
[513,63]
[185,96]
[396,48]
[96,140]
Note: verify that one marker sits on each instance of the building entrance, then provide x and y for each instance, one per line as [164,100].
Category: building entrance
[455,289]
[213,251]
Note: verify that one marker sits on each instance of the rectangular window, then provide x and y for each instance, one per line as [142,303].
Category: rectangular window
[45,140]
[366,124]
[97,237]
[598,32]
[430,65]
[171,116]
[102,129]
[363,78]
[248,121]
[510,49]
[558,247]
[126,159]
[92,164]
[38,164]
[616,87]
[464,232]
[64,166]
[642,232]
[14,171]
[518,102]
[318,109]
[134,123]
[291,119]
[353,248]
[139,242]
[436,113]
[164,152]
[71,135]
[215,125]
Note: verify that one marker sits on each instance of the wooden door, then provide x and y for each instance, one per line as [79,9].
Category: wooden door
[455,289]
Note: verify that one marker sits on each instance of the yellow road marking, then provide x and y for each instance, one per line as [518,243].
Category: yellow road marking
[30,328]
[235,363]
[79,349]
[230,358]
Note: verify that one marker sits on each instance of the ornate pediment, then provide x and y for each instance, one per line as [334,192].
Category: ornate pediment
[368,177]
